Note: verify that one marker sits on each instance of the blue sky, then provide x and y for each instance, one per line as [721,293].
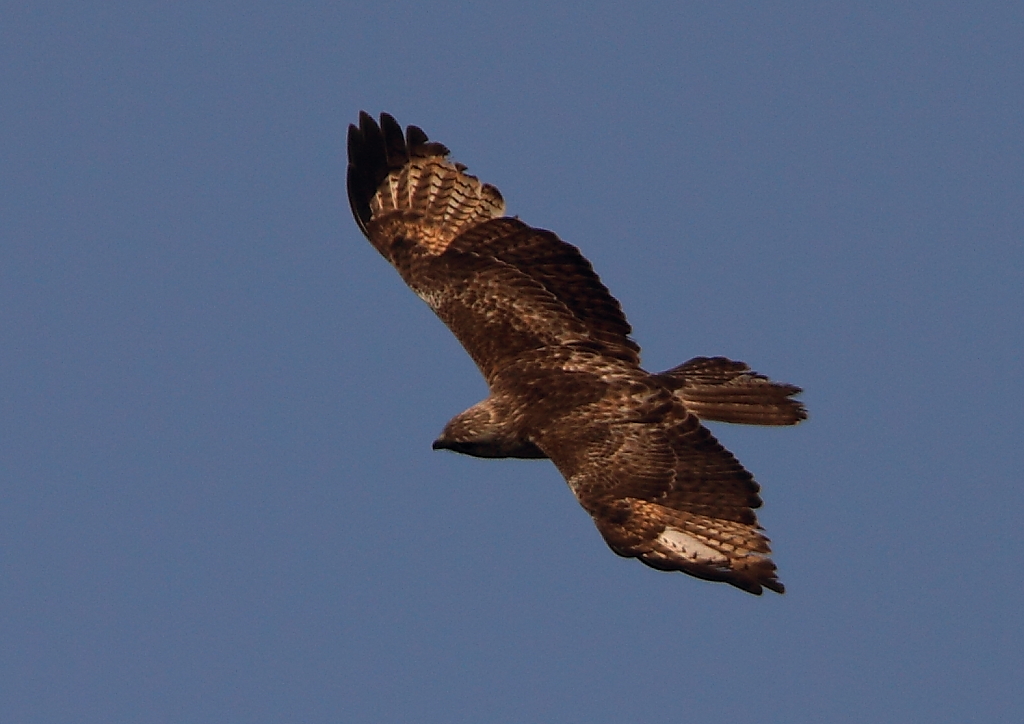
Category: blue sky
[218,501]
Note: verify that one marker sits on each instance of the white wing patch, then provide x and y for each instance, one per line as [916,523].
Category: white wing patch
[689,547]
[432,297]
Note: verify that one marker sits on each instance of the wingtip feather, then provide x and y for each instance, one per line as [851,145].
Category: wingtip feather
[424,181]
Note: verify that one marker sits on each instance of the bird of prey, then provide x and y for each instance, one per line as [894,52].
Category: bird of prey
[564,376]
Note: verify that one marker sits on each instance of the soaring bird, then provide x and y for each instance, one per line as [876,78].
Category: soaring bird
[563,374]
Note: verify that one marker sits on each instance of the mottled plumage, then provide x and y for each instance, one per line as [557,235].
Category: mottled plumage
[564,376]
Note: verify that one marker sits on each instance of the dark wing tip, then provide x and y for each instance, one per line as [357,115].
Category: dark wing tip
[419,145]
[374,150]
[367,166]
[394,142]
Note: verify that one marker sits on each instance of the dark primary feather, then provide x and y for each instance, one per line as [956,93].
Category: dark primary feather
[374,151]
[564,375]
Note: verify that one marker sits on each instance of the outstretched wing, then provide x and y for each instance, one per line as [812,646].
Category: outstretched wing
[662,489]
[504,288]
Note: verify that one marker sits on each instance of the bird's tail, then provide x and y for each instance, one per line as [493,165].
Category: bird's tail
[719,389]
[396,175]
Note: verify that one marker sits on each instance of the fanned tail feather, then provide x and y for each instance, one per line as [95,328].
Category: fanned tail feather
[722,390]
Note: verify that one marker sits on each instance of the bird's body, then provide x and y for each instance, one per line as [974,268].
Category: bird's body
[564,376]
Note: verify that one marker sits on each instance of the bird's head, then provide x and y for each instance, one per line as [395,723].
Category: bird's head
[481,432]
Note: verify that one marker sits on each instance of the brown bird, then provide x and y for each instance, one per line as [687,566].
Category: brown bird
[564,376]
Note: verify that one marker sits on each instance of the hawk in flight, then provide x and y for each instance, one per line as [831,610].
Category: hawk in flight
[564,376]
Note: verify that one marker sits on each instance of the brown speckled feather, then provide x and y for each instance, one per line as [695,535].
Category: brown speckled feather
[564,375]
[719,389]
[662,489]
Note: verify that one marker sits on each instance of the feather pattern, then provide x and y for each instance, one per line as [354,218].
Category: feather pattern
[564,375]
